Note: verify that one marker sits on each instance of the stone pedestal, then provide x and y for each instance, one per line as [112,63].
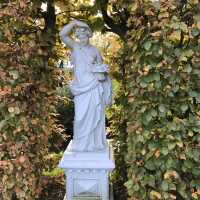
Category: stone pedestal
[87,174]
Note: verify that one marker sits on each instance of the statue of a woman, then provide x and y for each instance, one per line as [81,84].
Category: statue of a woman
[91,88]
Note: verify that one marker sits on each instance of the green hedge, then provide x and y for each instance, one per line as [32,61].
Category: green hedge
[164,96]
[27,99]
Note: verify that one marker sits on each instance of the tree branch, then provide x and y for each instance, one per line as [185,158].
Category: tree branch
[120,29]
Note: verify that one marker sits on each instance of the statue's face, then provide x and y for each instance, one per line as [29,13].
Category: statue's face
[83,34]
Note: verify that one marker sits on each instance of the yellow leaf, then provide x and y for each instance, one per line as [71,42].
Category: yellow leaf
[175,36]
[171,174]
[172,196]
[179,143]
[14,74]
[157,153]
[156,34]
[198,25]
[194,2]
[164,14]
[190,133]
[154,194]
[22,3]
[22,159]
[198,191]
[17,110]
[143,152]
[134,7]
[43,89]
[11,109]
[34,121]
[194,195]
[182,157]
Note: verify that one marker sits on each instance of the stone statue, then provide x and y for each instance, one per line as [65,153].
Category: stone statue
[91,88]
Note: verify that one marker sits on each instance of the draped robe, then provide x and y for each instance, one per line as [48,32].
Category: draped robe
[90,98]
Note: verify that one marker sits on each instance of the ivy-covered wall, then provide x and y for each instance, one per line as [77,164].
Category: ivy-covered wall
[163,100]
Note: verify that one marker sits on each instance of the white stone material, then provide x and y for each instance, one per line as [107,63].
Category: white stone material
[87,174]
[87,160]
[91,87]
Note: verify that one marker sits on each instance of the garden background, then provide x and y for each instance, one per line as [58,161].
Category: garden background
[153,50]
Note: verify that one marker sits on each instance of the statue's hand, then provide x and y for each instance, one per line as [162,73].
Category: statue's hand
[80,23]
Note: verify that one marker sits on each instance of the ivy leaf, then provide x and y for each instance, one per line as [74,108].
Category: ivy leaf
[149,180]
[184,107]
[171,145]
[156,76]
[162,108]
[147,45]
[195,32]
[172,126]
[188,68]
[195,183]
[164,151]
[143,84]
[188,53]
[150,165]
[193,93]
[14,74]
[183,26]
[129,184]
[154,113]
[2,123]
[165,186]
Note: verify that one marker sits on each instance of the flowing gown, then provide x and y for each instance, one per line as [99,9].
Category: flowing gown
[90,98]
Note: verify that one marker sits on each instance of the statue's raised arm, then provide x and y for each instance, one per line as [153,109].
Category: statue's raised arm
[67,30]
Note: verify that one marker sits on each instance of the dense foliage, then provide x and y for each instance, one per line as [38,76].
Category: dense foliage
[163,100]
[27,84]
[155,119]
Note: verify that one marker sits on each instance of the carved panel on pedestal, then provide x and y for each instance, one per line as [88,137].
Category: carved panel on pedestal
[86,187]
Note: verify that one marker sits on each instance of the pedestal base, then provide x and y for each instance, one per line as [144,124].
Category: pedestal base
[87,174]
[111,197]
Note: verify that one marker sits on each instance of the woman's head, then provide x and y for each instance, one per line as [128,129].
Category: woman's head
[83,33]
